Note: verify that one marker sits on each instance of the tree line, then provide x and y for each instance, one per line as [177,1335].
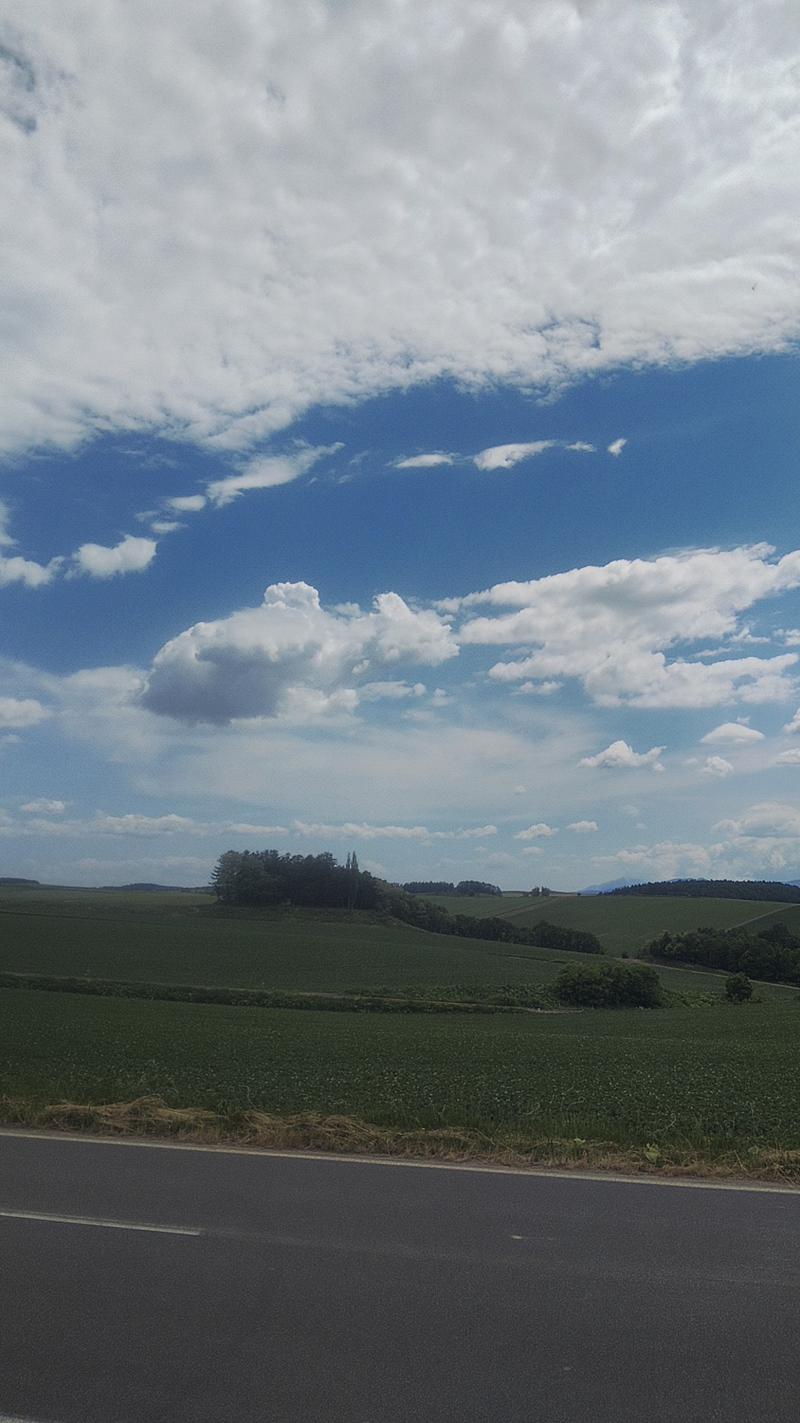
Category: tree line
[440,886]
[761,889]
[772,955]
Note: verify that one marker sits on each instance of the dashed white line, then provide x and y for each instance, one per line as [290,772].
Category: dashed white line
[97,1221]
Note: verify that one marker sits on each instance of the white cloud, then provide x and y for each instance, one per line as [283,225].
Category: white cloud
[165,526]
[768,818]
[716,766]
[390,691]
[536,832]
[584,827]
[5,516]
[44,807]
[538,689]
[619,756]
[732,733]
[144,824]
[424,461]
[667,859]
[793,726]
[255,661]
[365,831]
[581,447]
[789,758]
[131,555]
[617,446]
[187,503]
[505,456]
[295,220]
[16,713]
[266,472]
[613,626]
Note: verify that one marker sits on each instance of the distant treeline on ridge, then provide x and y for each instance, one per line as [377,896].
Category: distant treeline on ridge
[441,886]
[774,890]
[260,878]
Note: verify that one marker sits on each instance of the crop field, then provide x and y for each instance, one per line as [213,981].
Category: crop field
[705,1077]
[187,939]
[627,922]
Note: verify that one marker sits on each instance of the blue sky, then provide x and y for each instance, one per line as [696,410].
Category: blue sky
[499,407]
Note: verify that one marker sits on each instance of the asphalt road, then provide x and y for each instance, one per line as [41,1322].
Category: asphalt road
[295,1288]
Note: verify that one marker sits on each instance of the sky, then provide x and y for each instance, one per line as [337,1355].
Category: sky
[399,438]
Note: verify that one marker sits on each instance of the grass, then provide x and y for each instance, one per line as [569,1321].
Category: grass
[708,1082]
[626,922]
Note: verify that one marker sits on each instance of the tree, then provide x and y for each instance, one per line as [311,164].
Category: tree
[738,988]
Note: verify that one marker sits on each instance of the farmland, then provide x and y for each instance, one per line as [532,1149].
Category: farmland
[624,921]
[708,1080]
[699,1078]
[187,939]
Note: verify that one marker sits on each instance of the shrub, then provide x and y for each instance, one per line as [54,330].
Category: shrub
[738,988]
[609,985]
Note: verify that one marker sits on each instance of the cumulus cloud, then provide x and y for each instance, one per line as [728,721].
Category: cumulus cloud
[187,503]
[789,758]
[14,568]
[44,807]
[266,472]
[772,819]
[538,689]
[619,756]
[617,446]
[19,712]
[732,733]
[613,626]
[793,726]
[506,456]
[144,824]
[716,766]
[131,555]
[254,662]
[295,221]
[424,461]
[584,827]
[536,832]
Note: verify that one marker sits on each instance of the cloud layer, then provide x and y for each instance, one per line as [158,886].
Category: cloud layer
[272,208]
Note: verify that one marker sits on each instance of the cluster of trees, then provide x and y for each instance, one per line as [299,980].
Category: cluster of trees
[424,915]
[437,886]
[265,877]
[609,985]
[537,890]
[773,955]
[762,889]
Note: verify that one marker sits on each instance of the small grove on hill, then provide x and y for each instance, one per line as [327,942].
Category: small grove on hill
[773,954]
[759,889]
[260,878]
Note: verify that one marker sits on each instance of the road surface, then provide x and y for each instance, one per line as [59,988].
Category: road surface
[147,1284]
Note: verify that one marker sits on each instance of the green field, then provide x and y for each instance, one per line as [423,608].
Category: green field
[701,1078]
[627,922]
[189,939]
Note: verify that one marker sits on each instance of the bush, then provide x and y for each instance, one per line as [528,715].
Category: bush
[738,988]
[609,985]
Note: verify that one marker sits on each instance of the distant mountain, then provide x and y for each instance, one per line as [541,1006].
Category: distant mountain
[11,879]
[609,885]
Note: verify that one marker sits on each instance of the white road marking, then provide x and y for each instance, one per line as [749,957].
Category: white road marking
[352,1159]
[97,1221]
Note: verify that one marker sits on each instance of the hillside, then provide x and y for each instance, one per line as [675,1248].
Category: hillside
[187,940]
[630,922]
